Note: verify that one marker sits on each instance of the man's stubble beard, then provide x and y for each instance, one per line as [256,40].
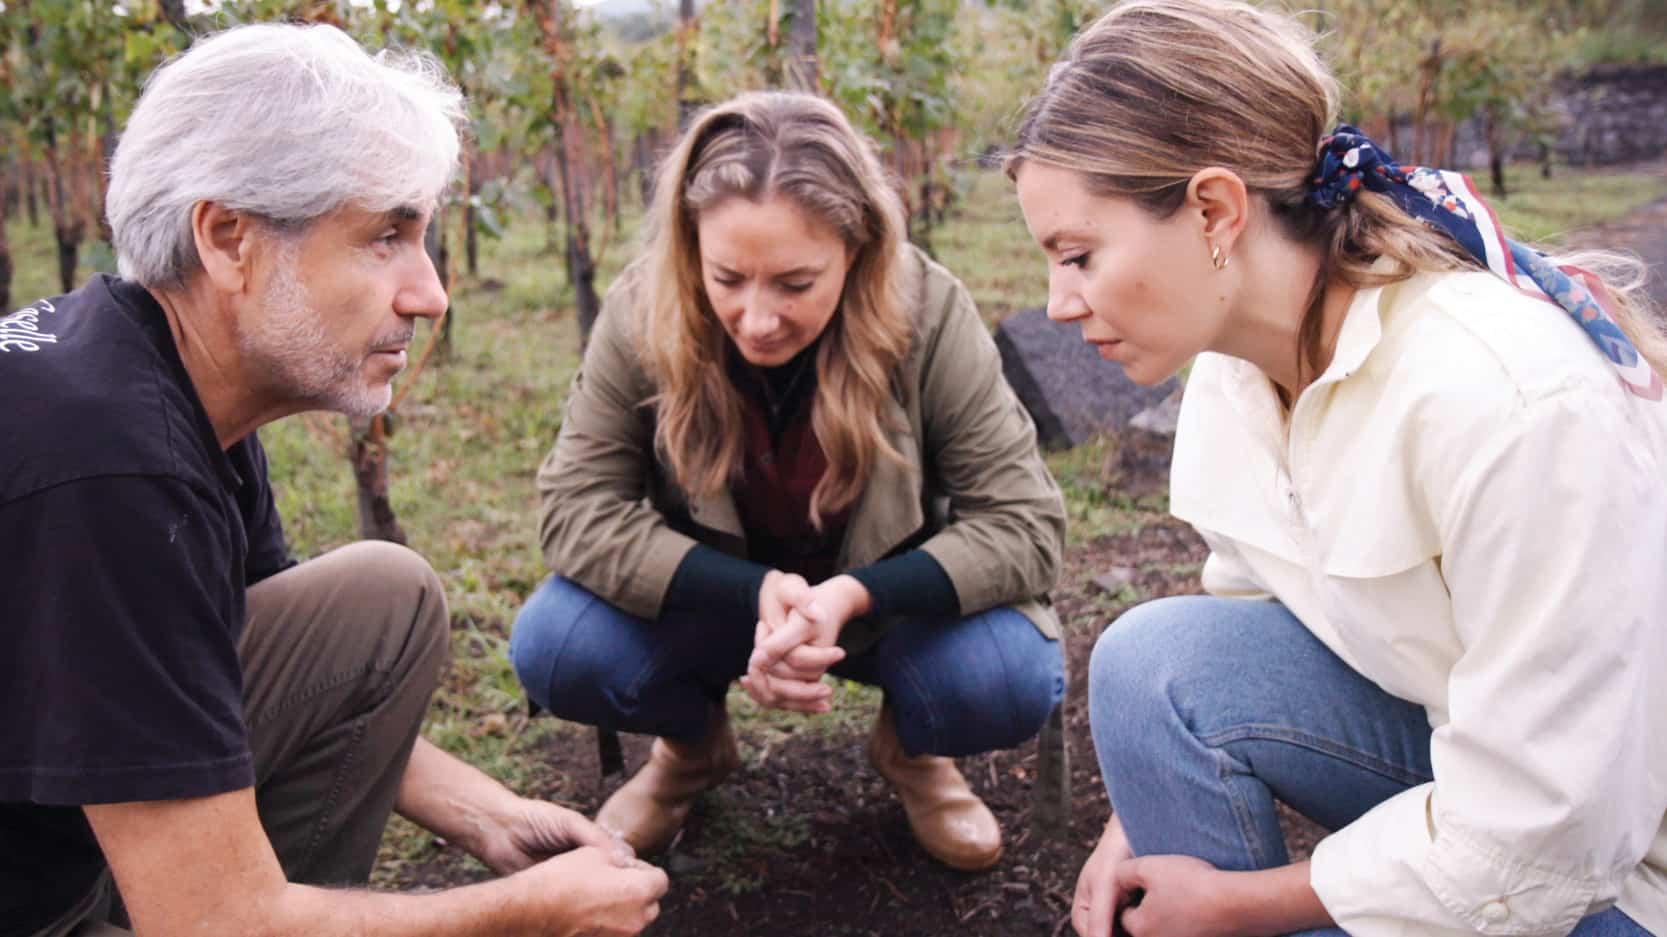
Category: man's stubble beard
[292,355]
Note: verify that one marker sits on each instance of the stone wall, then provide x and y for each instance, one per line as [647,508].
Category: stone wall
[1612,114]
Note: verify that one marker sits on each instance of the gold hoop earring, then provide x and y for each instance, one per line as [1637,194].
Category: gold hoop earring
[1217,258]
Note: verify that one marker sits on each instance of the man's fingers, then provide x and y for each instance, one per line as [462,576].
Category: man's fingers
[654,878]
[619,851]
[582,831]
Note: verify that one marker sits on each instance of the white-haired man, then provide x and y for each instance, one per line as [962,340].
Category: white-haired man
[181,707]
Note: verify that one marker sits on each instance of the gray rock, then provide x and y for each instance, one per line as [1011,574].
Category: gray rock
[1161,419]
[1071,392]
[1114,579]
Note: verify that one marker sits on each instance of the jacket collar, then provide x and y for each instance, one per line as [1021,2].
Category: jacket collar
[1252,393]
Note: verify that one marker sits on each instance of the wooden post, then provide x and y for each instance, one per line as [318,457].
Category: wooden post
[581,268]
[1053,774]
[370,470]
[803,68]
[685,68]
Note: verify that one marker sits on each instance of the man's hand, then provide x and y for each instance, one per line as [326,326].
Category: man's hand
[537,830]
[1099,898]
[202,867]
[597,896]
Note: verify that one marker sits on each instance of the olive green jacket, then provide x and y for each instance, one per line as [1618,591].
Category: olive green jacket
[974,492]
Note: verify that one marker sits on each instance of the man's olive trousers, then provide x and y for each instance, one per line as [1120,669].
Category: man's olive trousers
[340,656]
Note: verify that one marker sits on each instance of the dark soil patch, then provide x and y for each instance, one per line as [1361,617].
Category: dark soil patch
[1640,233]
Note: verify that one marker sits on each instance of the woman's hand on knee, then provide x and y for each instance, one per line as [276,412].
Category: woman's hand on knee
[1174,896]
[1098,900]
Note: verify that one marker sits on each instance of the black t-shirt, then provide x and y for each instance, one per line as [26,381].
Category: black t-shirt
[127,540]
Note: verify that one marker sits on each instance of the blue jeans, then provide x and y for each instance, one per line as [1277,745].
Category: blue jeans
[956,687]
[1205,710]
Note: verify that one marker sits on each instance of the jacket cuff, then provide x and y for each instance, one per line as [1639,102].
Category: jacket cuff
[714,583]
[910,585]
[1366,873]
[1396,871]
[645,592]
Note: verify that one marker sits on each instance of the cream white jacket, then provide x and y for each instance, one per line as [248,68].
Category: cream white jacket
[1470,510]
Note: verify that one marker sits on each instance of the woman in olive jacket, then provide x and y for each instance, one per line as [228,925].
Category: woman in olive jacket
[791,451]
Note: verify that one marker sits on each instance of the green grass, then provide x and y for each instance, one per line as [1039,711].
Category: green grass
[1545,211]
[1626,44]
[987,246]
[474,428]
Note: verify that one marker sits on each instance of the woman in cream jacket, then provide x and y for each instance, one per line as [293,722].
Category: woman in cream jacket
[1431,468]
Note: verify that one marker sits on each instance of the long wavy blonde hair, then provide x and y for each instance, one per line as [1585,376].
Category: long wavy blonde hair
[1156,90]
[757,146]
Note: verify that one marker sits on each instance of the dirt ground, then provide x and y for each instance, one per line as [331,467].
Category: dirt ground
[1640,233]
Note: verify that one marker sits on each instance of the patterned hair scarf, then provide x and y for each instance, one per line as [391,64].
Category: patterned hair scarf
[1349,160]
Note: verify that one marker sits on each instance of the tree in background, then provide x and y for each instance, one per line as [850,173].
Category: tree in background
[804,69]
[73,70]
[563,56]
[1423,67]
[993,79]
[892,64]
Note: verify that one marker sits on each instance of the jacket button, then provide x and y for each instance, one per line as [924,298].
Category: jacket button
[1495,912]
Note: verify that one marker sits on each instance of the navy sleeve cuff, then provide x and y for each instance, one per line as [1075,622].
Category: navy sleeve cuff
[713,582]
[909,585]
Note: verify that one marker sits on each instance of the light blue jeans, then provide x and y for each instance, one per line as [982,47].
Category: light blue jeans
[1205,710]
[956,687]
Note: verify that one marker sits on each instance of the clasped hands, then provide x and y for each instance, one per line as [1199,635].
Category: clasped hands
[793,646]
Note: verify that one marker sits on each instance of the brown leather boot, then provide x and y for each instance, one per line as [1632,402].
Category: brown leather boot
[650,808]
[948,819]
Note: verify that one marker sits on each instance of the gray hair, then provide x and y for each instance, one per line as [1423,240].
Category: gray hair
[285,122]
